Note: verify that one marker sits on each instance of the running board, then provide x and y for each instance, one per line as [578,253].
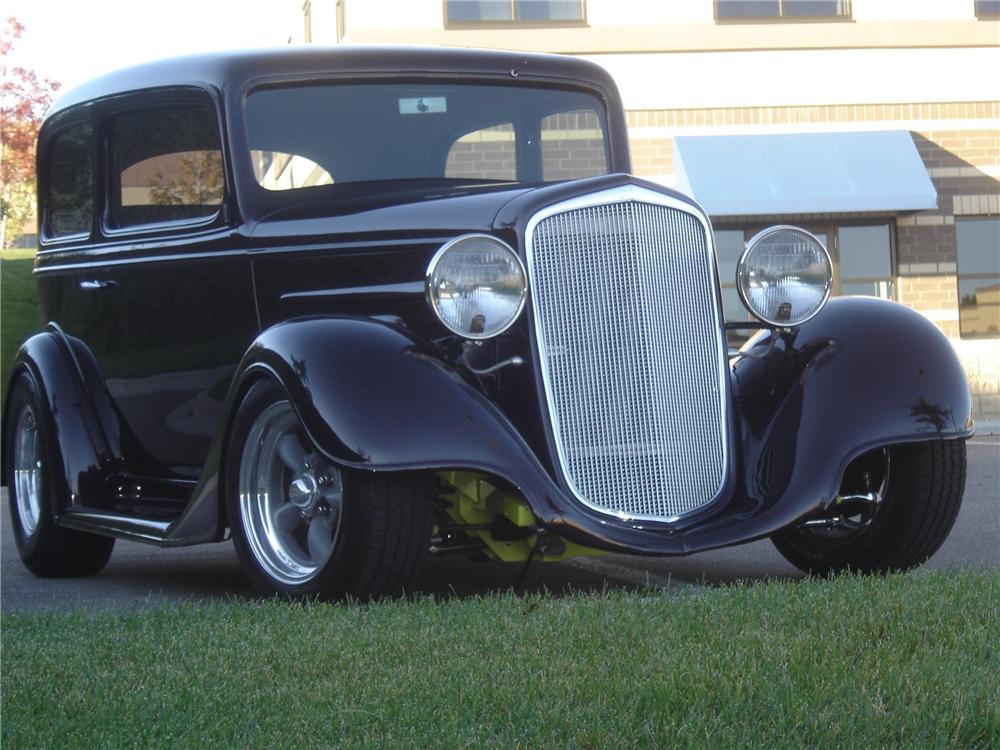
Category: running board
[122,527]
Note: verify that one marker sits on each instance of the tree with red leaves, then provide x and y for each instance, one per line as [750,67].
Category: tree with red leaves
[24,97]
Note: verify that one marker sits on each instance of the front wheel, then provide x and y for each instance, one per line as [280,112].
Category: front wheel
[304,528]
[895,510]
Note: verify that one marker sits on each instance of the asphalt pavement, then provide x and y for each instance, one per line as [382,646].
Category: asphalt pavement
[140,575]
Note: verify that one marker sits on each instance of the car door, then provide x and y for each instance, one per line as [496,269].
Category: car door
[164,301]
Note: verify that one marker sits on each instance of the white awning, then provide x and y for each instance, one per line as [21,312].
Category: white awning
[803,173]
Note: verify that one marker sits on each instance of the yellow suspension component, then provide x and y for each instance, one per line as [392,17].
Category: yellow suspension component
[474,500]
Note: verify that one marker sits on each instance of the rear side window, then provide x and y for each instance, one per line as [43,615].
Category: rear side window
[166,165]
[71,182]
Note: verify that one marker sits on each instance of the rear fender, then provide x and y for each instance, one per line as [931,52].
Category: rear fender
[85,433]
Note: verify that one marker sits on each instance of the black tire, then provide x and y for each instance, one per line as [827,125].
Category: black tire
[385,520]
[922,499]
[46,549]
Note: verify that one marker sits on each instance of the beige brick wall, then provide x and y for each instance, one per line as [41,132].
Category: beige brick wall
[934,296]
[652,156]
[845,113]
[487,160]
[571,158]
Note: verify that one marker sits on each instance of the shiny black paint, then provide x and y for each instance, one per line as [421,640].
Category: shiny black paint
[804,407]
[324,295]
[71,412]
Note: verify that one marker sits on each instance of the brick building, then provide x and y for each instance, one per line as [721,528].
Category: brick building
[806,101]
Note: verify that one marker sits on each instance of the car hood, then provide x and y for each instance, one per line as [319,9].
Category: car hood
[426,209]
[410,210]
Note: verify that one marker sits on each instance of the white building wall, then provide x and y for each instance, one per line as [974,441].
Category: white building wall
[696,80]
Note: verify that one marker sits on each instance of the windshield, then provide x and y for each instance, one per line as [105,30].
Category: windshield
[305,136]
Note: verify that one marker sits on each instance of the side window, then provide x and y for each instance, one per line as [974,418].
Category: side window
[70,194]
[487,154]
[166,165]
[573,146]
[865,260]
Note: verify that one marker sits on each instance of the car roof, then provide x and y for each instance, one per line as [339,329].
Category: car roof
[231,70]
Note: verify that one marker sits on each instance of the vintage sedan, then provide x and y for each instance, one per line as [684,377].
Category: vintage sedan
[353,306]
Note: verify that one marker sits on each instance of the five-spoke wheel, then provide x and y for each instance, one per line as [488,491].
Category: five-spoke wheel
[290,498]
[302,526]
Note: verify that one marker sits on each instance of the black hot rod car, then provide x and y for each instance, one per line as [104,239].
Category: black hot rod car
[354,305]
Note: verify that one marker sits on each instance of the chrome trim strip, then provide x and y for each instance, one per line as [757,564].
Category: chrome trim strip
[405,288]
[626,194]
[111,524]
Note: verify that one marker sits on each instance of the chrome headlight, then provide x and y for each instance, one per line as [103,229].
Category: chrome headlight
[784,276]
[476,284]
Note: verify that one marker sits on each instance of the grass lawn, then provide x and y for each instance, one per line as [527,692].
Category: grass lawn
[905,661]
[19,315]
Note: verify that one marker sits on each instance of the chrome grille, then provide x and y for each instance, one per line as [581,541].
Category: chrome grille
[623,294]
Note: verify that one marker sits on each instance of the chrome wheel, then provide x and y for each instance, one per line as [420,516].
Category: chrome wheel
[290,498]
[28,470]
[861,498]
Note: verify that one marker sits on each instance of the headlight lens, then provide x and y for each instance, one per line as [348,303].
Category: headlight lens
[476,285]
[784,276]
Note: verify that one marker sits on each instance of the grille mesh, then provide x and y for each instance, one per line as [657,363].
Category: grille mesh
[623,296]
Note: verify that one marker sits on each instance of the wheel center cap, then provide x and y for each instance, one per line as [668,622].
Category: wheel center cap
[304,491]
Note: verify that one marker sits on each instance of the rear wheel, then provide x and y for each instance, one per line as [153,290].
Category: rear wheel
[894,511]
[32,483]
[304,528]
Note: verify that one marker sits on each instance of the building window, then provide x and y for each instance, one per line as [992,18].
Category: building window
[978,243]
[863,261]
[735,10]
[987,8]
[475,12]
[729,244]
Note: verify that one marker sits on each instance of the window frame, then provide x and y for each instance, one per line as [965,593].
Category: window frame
[960,277]
[514,23]
[159,99]
[847,17]
[65,121]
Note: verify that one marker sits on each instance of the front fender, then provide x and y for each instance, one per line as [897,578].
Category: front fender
[373,397]
[863,374]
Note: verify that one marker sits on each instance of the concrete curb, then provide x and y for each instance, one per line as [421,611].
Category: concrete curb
[987,427]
